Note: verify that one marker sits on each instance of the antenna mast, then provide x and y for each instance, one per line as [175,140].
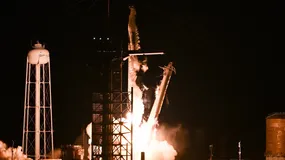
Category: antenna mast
[211,151]
[239,150]
[108,9]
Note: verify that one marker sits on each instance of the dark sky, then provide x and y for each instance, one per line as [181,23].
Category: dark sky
[227,55]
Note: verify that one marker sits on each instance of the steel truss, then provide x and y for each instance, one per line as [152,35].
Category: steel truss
[111,130]
[38,80]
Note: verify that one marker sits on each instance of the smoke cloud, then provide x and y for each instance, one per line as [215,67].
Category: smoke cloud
[57,154]
[177,136]
[134,39]
[9,153]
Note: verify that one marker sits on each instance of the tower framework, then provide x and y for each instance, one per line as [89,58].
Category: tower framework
[37,141]
[111,131]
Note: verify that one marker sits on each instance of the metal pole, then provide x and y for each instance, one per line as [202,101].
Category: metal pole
[239,150]
[50,105]
[142,156]
[25,110]
[108,9]
[43,82]
[27,106]
[132,122]
[37,113]
[12,149]
[211,151]
[143,54]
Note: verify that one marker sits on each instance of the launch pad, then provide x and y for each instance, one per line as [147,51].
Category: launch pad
[112,127]
[116,131]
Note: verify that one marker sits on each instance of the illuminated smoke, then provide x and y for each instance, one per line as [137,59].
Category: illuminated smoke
[6,153]
[145,140]
[174,135]
[10,153]
[134,39]
[158,144]
[57,153]
[138,108]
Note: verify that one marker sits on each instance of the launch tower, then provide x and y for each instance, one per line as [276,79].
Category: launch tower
[37,139]
[111,133]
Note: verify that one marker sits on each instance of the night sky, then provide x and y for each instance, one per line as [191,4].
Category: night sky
[226,53]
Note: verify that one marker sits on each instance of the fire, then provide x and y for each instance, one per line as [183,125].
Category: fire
[145,134]
[145,137]
[146,141]
[143,141]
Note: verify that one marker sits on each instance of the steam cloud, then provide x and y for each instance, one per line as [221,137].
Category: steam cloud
[174,135]
[9,153]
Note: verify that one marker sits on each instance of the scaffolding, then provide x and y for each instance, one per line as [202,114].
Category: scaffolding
[111,130]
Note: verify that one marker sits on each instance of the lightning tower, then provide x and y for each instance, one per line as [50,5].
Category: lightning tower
[37,140]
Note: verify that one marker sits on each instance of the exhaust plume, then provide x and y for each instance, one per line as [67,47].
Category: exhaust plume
[134,39]
[154,147]
[175,135]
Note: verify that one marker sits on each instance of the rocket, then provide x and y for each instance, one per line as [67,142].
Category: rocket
[157,105]
[158,102]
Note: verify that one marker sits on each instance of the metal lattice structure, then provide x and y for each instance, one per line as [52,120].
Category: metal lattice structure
[37,142]
[111,132]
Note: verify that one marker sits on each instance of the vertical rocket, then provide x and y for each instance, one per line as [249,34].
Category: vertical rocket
[157,105]
[167,73]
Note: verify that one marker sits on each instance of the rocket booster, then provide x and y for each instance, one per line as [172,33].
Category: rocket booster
[155,111]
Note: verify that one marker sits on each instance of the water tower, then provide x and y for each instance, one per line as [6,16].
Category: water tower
[37,139]
[275,137]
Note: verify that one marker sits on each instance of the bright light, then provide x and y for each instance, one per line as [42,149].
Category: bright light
[145,138]
[145,134]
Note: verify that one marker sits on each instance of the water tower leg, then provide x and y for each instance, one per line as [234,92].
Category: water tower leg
[37,113]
